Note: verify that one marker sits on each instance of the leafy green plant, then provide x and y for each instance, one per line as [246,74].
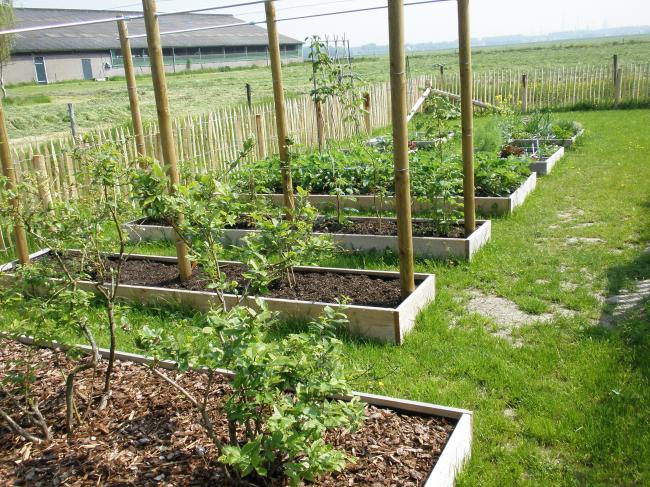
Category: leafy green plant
[489,137]
[271,430]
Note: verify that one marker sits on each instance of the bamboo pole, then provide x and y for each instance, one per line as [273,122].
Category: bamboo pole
[278,97]
[467,115]
[400,145]
[10,173]
[132,88]
[164,122]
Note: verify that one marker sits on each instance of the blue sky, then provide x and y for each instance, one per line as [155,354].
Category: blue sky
[424,23]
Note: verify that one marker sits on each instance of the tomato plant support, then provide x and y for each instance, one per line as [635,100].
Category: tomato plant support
[164,121]
[278,97]
[400,145]
[132,88]
[467,115]
[10,173]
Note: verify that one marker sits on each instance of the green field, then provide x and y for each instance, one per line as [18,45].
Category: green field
[41,111]
[556,402]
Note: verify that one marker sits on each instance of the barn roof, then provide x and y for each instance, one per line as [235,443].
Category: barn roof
[104,36]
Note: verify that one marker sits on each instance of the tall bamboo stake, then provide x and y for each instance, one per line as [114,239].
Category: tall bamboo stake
[10,173]
[278,97]
[164,122]
[467,115]
[132,88]
[400,145]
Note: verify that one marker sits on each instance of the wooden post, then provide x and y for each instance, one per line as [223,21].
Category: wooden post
[164,122]
[249,96]
[73,125]
[10,173]
[367,113]
[615,68]
[132,88]
[38,161]
[278,96]
[617,87]
[524,93]
[259,132]
[467,115]
[400,145]
[320,125]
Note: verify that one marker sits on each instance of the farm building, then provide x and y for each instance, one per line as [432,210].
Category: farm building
[93,51]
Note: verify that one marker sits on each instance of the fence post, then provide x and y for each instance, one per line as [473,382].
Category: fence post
[615,68]
[524,93]
[164,122]
[73,125]
[249,96]
[132,88]
[10,173]
[38,161]
[259,133]
[400,145]
[618,87]
[367,107]
[467,115]
[278,97]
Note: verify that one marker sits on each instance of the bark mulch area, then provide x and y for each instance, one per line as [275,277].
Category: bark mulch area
[149,435]
[325,287]
[386,226]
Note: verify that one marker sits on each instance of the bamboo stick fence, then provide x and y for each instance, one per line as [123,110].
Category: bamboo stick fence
[208,142]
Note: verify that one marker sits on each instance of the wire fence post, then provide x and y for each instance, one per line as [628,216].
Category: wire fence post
[367,107]
[73,124]
[249,95]
[400,145]
[467,115]
[524,93]
[618,87]
[165,124]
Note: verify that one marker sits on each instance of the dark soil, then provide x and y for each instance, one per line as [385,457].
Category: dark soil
[386,226]
[149,435]
[310,286]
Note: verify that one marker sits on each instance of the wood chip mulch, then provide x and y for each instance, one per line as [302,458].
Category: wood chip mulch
[150,435]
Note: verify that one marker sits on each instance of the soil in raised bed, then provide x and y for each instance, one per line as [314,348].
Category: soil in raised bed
[149,435]
[385,226]
[325,287]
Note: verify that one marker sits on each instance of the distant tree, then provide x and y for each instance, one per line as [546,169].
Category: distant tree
[7,21]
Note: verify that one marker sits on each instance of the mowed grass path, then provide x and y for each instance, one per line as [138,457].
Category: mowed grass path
[38,112]
[569,404]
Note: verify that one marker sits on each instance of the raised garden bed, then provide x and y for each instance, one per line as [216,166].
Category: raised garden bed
[560,142]
[378,234]
[544,166]
[485,205]
[401,442]
[376,311]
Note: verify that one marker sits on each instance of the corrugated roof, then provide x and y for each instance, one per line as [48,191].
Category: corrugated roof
[105,36]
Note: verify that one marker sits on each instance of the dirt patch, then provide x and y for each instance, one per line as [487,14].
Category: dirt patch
[325,287]
[150,436]
[624,302]
[507,314]
[386,226]
[570,214]
[584,240]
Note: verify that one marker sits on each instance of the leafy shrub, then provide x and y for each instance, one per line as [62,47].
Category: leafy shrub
[488,138]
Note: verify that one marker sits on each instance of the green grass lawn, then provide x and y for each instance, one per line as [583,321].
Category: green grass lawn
[568,404]
[41,111]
